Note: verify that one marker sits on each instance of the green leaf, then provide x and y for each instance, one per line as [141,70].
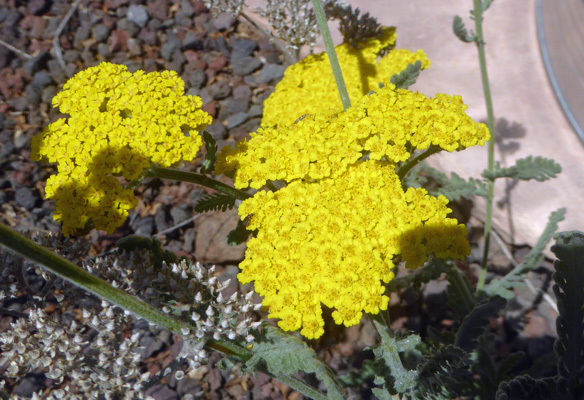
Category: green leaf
[382,394]
[475,323]
[285,355]
[357,378]
[461,299]
[525,169]
[526,387]
[455,187]
[239,235]
[216,201]
[504,287]
[444,374]
[569,281]
[421,275]
[485,5]
[461,32]
[408,76]
[211,156]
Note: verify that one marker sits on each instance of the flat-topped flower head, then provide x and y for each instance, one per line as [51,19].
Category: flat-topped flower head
[119,124]
[332,242]
[309,85]
[386,125]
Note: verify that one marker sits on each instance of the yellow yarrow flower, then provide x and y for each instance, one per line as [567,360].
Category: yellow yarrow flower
[119,124]
[309,85]
[387,125]
[332,242]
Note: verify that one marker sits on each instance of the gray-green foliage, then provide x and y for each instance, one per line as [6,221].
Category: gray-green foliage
[285,355]
[214,202]
[416,278]
[453,188]
[538,168]
[408,76]
[461,32]
[504,286]
[474,324]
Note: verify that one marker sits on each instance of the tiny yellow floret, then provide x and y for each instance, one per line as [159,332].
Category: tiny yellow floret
[119,124]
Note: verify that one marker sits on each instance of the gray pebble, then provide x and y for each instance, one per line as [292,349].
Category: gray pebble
[204,94]
[162,220]
[242,93]
[171,44]
[18,103]
[71,56]
[154,24]
[128,26]
[100,32]
[144,226]
[256,110]
[138,14]
[32,65]
[27,197]
[103,50]
[192,41]
[48,93]
[88,57]
[81,34]
[237,119]
[243,48]
[272,73]
[179,214]
[134,47]
[231,107]
[159,9]
[186,9]
[41,79]
[221,45]
[195,79]
[245,65]
[70,69]
[217,130]
[219,90]
[252,125]
[189,240]
[162,392]
[223,21]
[38,7]
[4,11]
[178,60]
[33,93]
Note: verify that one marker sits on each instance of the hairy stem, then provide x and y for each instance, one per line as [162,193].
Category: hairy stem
[478,13]
[185,176]
[401,173]
[330,50]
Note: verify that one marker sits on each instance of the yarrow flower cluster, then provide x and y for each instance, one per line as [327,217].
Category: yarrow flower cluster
[119,124]
[309,85]
[387,125]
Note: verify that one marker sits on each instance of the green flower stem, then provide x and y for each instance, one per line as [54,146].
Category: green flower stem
[185,176]
[17,243]
[401,173]
[491,124]
[330,50]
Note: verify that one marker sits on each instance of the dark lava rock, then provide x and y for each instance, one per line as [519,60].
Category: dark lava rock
[138,14]
[192,41]
[48,93]
[33,93]
[81,34]
[38,62]
[144,226]
[237,119]
[256,110]
[223,21]
[162,220]
[171,44]
[185,10]
[195,79]
[100,32]
[27,197]
[41,79]
[231,106]
[221,45]
[56,71]
[243,48]
[38,7]
[158,8]
[71,56]
[245,65]
[219,90]
[128,26]
[180,213]
[272,73]
[242,93]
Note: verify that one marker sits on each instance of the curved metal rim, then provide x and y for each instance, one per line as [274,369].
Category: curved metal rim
[552,74]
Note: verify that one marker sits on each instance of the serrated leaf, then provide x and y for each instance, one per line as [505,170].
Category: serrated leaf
[475,323]
[525,169]
[418,277]
[214,202]
[382,394]
[285,355]
[444,373]
[239,235]
[211,156]
[461,298]
[569,281]
[526,387]
[408,76]
[504,287]
[460,30]
[457,187]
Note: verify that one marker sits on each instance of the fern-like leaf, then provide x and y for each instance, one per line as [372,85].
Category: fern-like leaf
[408,76]
[211,156]
[525,169]
[444,374]
[526,387]
[475,323]
[569,281]
[239,235]
[418,277]
[455,187]
[214,202]
[460,30]
[461,299]
[504,287]
[284,355]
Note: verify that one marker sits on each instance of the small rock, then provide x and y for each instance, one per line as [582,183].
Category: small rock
[195,79]
[162,392]
[33,93]
[252,125]
[243,48]
[179,214]
[205,96]
[221,45]
[18,103]
[256,110]
[100,32]
[71,56]
[190,236]
[119,40]
[223,21]
[192,41]
[171,44]
[217,130]
[242,93]
[134,47]
[162,220]
[41,79]
[103,50]
[48,93]
[159,8]
[231,106]
[237,119]
[81,34]
[185,10]
[32,65]
[70,69]
[148,37]
[88,57]
[210,107]
[219,63]
[245,65]
[128,26]
[27,197]
[219,90]
[178,60]
[272,73]
[32,382]
[154,24]
[138,14]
